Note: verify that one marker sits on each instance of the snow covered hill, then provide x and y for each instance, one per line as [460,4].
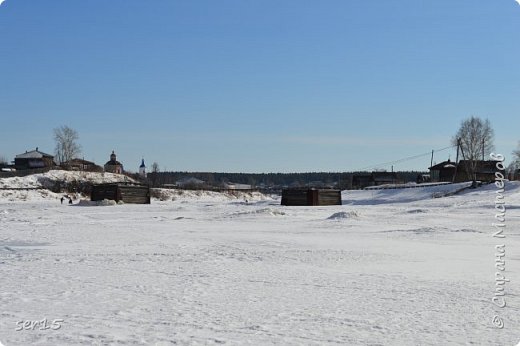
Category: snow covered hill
[37,186]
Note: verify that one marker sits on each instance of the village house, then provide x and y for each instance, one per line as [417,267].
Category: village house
[362,180]
[449,171]
[33,159]
[81,165]
[235,186]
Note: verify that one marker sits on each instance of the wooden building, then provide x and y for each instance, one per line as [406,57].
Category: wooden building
[362,180]
[236,186]
[514,174]
[33,159]
[448,171]
[310,197]
[444,171]
[125,192]
[81,165]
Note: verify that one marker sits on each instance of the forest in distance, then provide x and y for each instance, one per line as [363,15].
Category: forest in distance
[341,180]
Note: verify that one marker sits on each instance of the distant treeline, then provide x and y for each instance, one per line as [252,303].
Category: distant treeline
[343,180]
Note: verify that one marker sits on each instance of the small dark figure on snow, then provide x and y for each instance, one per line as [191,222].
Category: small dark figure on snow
[70,200]
[62,200]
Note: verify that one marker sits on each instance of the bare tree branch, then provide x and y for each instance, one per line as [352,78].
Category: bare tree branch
[476,138]
[67,147]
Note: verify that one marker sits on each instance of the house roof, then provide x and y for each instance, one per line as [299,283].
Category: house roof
[443,165]
[33,154]
[78,162]
[487,166]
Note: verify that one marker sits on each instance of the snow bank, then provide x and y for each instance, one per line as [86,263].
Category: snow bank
[26,195]
[45,180]
[372,197]
[37,186]
[343,215]
[186,195]
[262,211]
[103,203]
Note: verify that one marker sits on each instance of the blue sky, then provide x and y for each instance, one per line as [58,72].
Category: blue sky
[258,86]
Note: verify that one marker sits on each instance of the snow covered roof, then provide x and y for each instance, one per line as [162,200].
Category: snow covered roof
[444,164]
[235,186]
[33,154]
[78,162]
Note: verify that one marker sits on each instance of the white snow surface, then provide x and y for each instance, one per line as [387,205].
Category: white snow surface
[389,267]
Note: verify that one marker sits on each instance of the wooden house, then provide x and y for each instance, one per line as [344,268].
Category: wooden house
[310,197]
[34,159]
[444,171]
[448,171]
[81,165]
[514,174]
[362,180]
[125,192]
[236,186]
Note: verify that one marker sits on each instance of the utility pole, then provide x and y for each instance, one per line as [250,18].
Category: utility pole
[456,160]
[483,148]
[458,146]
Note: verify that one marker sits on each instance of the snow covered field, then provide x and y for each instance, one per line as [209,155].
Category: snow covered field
[389,267]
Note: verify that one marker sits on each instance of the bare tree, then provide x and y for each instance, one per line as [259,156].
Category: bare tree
[475,138]
[153,175]
[514,166]
[3,160]
[516,154]
[67,147]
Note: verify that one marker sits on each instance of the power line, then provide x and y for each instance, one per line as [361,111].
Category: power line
[404,159]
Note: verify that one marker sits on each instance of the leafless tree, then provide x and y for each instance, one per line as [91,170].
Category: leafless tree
[475,138]
[516,154]
[153,175]
[3,160]
[514,166]
[67,146]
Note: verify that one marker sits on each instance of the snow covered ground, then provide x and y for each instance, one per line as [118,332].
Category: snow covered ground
[36,186]
[389,267]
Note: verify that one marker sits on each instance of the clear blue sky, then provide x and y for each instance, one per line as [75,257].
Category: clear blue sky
[258,86]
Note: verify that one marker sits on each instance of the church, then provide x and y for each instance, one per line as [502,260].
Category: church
[142,169]
[114,166]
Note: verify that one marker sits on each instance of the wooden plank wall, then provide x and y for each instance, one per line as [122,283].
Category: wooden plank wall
[294,197]
[101,192]
[299,197]
[135,194]
[329,197]
[139,194]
